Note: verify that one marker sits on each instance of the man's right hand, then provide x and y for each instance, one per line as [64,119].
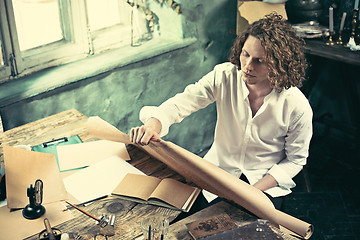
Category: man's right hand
[148,132]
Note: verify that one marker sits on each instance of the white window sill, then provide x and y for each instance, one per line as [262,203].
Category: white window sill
[49,79]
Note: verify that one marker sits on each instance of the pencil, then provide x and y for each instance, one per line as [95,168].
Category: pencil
[85,203]
[162,235]
[86,213]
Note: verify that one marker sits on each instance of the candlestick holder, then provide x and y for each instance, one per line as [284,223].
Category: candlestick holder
[330,41]
[340,41]
[353,24]
[357,40]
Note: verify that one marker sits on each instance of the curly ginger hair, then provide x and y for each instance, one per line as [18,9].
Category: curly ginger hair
[286,62]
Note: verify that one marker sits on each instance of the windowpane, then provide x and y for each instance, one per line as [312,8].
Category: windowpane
[37,22]
[102,14]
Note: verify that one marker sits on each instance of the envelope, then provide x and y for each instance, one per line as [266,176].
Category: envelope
[24,167]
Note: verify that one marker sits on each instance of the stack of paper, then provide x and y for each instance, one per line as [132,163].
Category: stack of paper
[98,180]
[107,167]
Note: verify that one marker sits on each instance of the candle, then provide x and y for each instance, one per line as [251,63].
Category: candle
[342,21]
[356,6]
[331,19]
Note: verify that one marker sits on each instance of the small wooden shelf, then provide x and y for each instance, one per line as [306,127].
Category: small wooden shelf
[318,47]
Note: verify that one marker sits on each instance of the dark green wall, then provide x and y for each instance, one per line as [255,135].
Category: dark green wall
[118,95]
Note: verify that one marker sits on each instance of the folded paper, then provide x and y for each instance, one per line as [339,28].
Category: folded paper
[84,154]
[98,180]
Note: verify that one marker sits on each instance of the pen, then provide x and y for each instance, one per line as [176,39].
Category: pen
[135,204]
[149,237]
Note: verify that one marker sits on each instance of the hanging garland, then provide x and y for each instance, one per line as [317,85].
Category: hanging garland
[171,3]
[149,16]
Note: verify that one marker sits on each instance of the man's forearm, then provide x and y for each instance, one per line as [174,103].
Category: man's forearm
[266,183]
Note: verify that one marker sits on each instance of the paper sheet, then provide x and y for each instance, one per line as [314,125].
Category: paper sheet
[24,167]
[12,222]
[254,10]
[3,203]
[98,180]
[210,177]
[84,154]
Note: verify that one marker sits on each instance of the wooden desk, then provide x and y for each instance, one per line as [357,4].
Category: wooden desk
[128,214]
[334,65]
[178,230]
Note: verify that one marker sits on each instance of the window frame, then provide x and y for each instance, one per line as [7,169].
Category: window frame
[110,37]
[77,43]
[54,53]
[5,70]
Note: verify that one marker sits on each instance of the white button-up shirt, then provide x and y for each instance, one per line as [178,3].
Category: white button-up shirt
[275,141]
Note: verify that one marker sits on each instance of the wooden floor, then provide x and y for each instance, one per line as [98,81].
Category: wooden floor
[330,197]
[328,191]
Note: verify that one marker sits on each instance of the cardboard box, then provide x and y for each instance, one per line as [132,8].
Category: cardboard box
[251,11]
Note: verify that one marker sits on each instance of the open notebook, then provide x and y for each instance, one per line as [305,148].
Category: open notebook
[166,192]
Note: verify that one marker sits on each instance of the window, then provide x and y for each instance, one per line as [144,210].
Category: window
[32,18]
[37,34]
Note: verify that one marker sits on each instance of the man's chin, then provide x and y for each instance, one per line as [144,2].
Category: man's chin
[250,81]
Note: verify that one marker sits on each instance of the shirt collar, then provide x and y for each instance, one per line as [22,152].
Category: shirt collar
[244,89]
[272,93]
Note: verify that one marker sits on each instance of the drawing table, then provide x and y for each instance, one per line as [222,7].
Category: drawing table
[128,214]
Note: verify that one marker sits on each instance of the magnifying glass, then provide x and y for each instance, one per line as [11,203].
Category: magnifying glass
[100,237]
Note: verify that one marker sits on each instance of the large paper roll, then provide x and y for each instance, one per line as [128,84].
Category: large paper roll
[207,176]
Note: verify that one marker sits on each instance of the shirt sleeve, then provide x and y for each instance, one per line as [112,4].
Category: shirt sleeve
[297,144]
[195,96]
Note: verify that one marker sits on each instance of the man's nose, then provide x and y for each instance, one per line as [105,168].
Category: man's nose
[249,65]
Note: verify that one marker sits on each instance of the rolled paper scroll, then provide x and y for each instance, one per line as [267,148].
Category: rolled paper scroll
[208,176]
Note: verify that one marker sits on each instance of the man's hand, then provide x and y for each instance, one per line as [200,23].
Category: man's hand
[148,132]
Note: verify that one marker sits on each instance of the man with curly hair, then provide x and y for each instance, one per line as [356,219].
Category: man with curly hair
[264,122]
